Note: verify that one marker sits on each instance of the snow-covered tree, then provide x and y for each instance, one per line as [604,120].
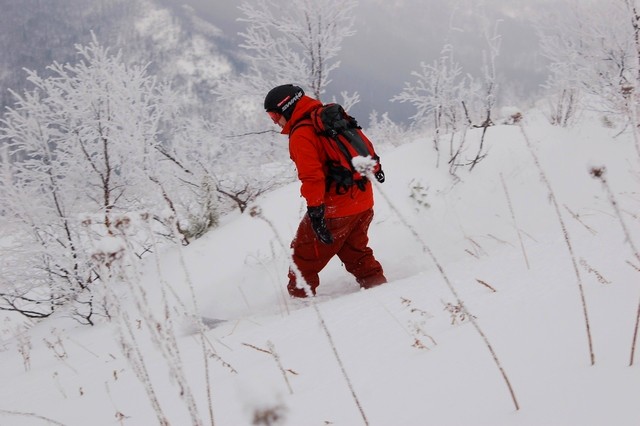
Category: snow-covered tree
[439,94]
[448,101]
[88,146]
[297,43]
[385,131]
[245,155]
[489,86]
[178,45]
[594,50]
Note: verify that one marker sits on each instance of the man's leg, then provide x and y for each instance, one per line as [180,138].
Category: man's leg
[356,255]
[310,256]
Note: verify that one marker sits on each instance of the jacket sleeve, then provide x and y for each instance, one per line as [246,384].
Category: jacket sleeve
[303,148]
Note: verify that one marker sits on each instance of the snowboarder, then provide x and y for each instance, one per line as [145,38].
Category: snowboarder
[336,223]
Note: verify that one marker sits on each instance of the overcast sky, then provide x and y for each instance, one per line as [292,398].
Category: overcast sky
[394,36]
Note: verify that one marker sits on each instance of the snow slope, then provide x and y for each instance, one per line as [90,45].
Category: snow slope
[402,355]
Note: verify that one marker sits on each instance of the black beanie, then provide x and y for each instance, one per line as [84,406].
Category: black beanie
[282,99]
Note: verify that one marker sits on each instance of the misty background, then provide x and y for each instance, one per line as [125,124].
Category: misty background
[394,36]
[392,39]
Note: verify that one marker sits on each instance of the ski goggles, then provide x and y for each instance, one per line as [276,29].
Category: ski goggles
[275,116]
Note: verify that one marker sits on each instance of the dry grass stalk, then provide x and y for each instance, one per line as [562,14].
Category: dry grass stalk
[32,415]
[471,253]
[417,325]
[567,240]
[476,249]
[204,342]
[160,326]
[515,223]
[591,270]
[628,262]
[459,313]
[257,212]
[429,253]
[276,357]
[486,285]
[272,351]
[579,220]
[24,348]
[249,345]
[599,173]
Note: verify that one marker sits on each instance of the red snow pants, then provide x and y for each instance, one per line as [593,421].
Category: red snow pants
[350,245]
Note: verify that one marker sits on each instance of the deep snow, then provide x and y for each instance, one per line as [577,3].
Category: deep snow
[409,359]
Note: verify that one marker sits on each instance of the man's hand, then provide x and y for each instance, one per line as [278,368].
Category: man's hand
[316,214]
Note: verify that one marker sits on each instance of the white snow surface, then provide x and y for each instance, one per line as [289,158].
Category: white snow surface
[408,359]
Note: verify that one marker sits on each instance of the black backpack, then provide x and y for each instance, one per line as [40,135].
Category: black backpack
[351,154]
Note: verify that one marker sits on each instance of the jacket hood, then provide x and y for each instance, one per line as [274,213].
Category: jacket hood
[302,110]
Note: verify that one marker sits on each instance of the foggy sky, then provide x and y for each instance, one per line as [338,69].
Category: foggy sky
[394,36]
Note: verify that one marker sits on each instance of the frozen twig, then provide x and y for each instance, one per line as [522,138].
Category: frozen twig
[486,285]
[449,284]
[567,240]
[35,416]
[201,330]
[257,212]
[515,223]
[276,357]
[577,218]
[599,173]
[272,351]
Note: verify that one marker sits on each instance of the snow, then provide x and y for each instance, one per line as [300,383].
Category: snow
[409,358]
[364,165]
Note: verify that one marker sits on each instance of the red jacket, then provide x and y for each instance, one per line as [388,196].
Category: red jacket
[307,152]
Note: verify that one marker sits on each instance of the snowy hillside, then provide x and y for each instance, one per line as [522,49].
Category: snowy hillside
[404,352]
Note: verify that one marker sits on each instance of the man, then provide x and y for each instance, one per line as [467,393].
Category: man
[336,222]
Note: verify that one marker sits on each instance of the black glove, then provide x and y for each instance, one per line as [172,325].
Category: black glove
[316,214]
